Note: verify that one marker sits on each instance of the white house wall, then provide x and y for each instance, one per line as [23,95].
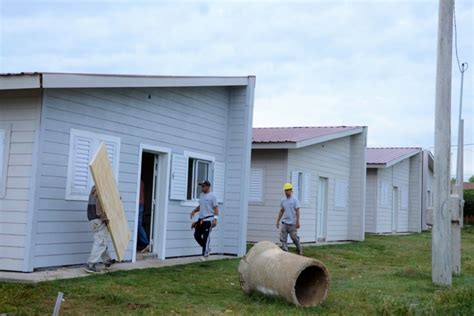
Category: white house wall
[384,212]
[406,175]
[357,186]
[182,119]
[262,215]
[331,160]
[371,201]
[415,193]
[21,112]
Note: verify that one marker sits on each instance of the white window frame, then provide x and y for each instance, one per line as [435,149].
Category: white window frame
[4,155]
[197,157]
[260,199]
[97,140]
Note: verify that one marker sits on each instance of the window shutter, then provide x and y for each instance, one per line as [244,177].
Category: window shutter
[404,196]
[384,194]
[179,177]
[219,181]
[294,182]
[256,185]
[79,164]
[306,189]
[341,193]
[113,152]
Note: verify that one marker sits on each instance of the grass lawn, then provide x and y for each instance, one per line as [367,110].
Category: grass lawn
[384,275]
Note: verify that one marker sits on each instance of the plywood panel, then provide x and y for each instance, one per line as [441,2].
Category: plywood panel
[109,198]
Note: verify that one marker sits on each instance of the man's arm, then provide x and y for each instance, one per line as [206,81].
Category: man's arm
[280,214]
[216,213]
[297,218]
[194,211]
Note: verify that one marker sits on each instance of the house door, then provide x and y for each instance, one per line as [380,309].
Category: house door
[395,209]
[321,210]
[149,178]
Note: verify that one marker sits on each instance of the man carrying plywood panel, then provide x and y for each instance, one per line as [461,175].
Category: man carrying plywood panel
[108,198]
[98,221]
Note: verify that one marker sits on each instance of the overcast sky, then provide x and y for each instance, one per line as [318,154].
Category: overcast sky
[317,63]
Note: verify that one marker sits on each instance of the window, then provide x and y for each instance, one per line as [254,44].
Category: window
[82,147]
[191,168]
[341,193]
[5,130]
[198,171]
[256,185]
[384,194]
[301,186]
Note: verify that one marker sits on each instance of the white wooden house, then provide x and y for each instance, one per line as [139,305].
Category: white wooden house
[170,131]
[326,166]
[394,190]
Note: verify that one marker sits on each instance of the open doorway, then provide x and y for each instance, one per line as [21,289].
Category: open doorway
[148,176]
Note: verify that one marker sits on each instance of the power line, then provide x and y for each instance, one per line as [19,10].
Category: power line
[464,64]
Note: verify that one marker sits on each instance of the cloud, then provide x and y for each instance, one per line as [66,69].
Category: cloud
[317,62]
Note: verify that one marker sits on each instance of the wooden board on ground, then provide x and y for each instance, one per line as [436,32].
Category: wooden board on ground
[109,199]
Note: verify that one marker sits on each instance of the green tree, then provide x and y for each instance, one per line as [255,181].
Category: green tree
[471,179]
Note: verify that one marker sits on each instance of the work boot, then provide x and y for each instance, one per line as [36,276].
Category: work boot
[92,268]
[109,264]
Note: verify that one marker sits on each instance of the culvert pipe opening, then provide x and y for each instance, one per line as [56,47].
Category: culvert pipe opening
[311,286]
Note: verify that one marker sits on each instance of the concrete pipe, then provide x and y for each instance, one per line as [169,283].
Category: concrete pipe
[269,270]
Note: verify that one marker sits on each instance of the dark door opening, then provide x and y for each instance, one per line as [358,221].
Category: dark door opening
[148,177]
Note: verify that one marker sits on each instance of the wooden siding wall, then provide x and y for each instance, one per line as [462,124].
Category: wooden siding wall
[397,175]
[238,151]
[414,216]
[332,160]
[384,213]
[357,186]
[183,119]
[401,179]
[371,201]
[20,110]
[262,216]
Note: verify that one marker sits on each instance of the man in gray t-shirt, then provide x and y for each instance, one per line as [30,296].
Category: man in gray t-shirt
[208,212]
[289,216]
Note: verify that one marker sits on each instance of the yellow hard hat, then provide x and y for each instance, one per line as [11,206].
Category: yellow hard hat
[287,186]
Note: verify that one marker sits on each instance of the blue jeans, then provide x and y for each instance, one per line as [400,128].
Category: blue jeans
[142,238]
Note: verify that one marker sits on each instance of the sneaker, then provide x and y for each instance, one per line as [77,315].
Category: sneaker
[109,264]
[92,269]
[203,258]
[300,251]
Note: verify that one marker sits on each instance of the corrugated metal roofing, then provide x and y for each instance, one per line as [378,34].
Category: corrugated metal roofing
[385,155]
[295,134]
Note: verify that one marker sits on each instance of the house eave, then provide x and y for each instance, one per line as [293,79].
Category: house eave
[307,142]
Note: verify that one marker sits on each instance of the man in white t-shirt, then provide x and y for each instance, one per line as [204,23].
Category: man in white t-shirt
[208,215]
[289,216]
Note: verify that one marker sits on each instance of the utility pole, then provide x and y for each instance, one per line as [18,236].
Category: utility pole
[441,233]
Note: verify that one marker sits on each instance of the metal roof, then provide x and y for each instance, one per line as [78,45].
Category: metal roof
[296,137]
[388,156]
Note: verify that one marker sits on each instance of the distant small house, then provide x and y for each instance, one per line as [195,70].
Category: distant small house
[427,186]
[326,166]
[172,132]
[394,190]
[468,185]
